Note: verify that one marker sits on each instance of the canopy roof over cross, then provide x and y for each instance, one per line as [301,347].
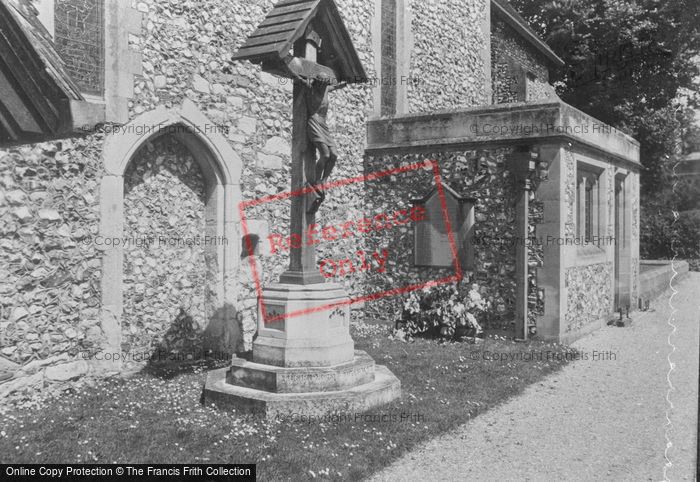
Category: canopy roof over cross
[274,39]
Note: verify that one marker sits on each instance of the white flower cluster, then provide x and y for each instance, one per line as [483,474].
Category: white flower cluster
[446,307]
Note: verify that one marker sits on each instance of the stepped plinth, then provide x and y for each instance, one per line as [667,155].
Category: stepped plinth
[303,364]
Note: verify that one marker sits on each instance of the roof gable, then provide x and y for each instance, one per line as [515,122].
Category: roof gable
[287,22]
[511,16]
[35,90]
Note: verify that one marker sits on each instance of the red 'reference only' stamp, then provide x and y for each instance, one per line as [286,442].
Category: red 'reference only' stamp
[361,260]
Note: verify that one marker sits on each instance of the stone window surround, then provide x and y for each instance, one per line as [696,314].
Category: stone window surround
[121,63]
[590,254]
[588,202]
[404,47]
[221,167]
[597,202]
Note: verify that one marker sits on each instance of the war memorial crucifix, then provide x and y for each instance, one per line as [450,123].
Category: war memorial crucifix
[306,41]
[304,362]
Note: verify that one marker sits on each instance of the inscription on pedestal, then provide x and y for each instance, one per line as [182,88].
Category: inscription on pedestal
[274,317]
[337,318]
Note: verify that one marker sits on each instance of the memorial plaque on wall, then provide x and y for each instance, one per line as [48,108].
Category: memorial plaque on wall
[432,246]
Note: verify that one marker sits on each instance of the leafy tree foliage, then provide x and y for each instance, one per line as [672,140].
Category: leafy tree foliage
[627,61]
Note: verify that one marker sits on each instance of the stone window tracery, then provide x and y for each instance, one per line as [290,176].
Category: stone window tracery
[588,205]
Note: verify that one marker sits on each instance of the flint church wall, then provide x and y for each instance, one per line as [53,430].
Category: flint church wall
[51,266]
[50,296]
[482,175]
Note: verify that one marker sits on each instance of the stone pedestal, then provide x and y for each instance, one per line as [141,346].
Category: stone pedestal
[300,330]
[304,362]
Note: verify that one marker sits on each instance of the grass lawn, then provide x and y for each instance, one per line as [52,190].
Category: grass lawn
[156,416]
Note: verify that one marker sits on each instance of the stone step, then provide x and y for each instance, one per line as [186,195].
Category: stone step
[274,379]
[384,388]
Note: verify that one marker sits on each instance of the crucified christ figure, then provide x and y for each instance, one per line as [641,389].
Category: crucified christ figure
[317,89]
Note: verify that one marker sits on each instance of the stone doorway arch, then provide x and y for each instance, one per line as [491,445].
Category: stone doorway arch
[221,168]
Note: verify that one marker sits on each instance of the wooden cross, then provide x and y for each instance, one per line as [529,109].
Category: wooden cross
[287,44]
[302,262]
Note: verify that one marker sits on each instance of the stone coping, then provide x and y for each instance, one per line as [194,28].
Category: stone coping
[540,122]
[657,277]
[655,263]
[511,16]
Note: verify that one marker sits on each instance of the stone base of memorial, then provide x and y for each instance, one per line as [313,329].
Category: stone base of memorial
[305,364]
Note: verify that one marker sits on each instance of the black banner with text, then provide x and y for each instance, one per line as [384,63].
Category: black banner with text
[128,472]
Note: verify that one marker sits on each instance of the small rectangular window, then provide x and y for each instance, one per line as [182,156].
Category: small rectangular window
[589,205]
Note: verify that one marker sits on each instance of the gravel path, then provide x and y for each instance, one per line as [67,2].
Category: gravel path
[593,420]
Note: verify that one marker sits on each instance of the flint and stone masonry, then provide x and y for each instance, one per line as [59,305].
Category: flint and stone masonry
[183,135]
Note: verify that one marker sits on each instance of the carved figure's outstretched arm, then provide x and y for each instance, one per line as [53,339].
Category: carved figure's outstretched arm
[303,80]
[292,65]
[338,86]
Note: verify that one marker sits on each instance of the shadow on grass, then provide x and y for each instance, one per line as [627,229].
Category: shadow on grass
[156,417]
[170,370]
[185,348]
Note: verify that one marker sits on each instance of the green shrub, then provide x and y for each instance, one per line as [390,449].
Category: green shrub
[446,311]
